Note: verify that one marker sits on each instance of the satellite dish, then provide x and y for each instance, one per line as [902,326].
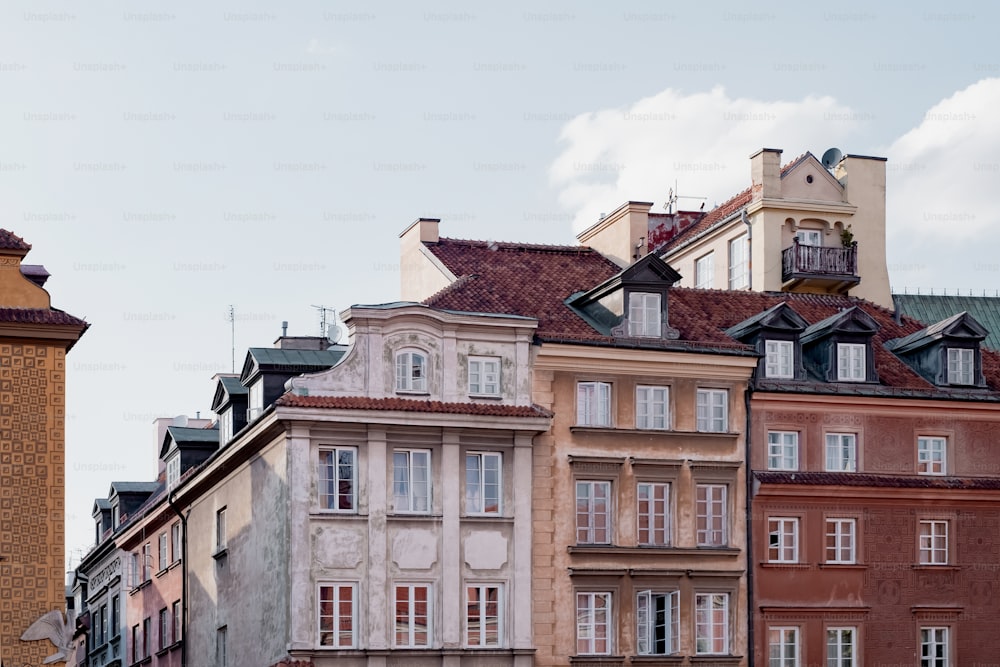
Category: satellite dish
[831,158]
[333,333]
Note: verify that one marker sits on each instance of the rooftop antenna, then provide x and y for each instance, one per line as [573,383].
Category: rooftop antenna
[329,331]
[672,199]
[231,316]
[831,158]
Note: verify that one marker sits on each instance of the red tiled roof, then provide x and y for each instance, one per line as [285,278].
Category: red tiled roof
[11,241]
[39,316]
[411,405]
[881,481]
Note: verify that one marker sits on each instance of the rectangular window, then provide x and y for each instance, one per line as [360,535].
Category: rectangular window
[931,456]
[484,615]
[411,480]
[338,479]
[778,359]
[593,512]
[337,615]
[484,376]
[851,365]
[840,540]
[657,623]
[713,410]
[934,647]
[711,515]
[782,450]
[135,569]
[738,274]
[644,314]
[147,626]
[593,403]
[136,643]
[173,470]
[654,513]
[411,372]
[116,616]
[225,425]
[175,540]
[221,652]
[147,562]
[651,407]
[783,647]
[255,402]
[103,622]
[782,540]
[220,530]
[933,542]
[164,628]
[176,613]
[711,623]
[593,623]
[704,271]
[412,615]
[483,488]
[809,237]
[841,452]
[164,551]
[961,365]
[840,647]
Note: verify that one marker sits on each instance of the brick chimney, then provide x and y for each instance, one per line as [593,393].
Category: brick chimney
[765,174]
[621,235]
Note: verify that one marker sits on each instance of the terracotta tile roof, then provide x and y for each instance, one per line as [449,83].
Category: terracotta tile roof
[39,316]
[411,405]
[11,241]
[880,481]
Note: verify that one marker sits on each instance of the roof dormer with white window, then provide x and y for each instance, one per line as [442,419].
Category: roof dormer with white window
[947,353]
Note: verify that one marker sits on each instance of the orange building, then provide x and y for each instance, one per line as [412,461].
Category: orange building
[34,339]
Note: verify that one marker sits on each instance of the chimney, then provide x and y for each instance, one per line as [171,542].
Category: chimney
[420,273]
[621,234]
[765,174]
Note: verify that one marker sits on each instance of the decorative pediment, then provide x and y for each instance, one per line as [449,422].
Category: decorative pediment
[776,319]
[852,321]
[957,328]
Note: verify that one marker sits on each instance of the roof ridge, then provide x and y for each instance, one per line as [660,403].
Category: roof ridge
[513,245]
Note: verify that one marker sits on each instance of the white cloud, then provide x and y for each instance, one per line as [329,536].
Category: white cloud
[702,141]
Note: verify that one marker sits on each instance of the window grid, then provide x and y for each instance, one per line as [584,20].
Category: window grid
[338,479]
[657,623]
[851,362]
[651,407]
[593,622]
[484,615]
[933,542]
[484,376]
[411,482]
[783,540]
[738,278]
[840,541]
[809,237]
[782,450]
[654,513]
[712,516]
[783,647]
[841,452]
[483,485]
[337,615]
[164,628]
[411,371]
[644,314]
[175,541]
[931,456]
[164,553]
[704,270]
[778,359]
[593,512]
[960,365]
[712,408]
[840,647]
[412,615]
[220,529]
[176,609]
[934,647]
[711,623]
[593,404]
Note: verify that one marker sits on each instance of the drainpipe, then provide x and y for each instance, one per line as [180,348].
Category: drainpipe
[746,221]
[750,597]
[184,576]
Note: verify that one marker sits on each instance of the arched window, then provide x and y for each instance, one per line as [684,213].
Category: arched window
[411,371]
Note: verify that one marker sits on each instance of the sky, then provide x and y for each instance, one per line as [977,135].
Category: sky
[168,160]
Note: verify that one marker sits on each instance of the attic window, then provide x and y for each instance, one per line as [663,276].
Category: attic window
[411,372]
[961,365]
[644,314]
[851,363]
[173,470]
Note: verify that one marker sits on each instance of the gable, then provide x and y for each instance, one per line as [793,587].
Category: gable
[808,179]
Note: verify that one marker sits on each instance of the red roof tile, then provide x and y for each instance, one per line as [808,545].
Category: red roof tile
[881,481]
[39,316]
[410,405]
[11,241]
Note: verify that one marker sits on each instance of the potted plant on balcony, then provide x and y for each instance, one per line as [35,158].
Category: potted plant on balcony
[846,236]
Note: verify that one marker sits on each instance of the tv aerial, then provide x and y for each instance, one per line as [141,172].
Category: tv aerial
[330,330]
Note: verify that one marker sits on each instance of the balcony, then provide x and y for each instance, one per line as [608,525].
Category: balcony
[807,267]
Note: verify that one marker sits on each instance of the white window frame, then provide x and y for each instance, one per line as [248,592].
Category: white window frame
[479,636]
[411,371]
[934,647]
[782,450]
[712,511]
[593,403]
[712,410]
[852,362]
[708,629]
[330,476]
[841,541]
[657,616]
[221,537]
[408,621]
[590,628]
[653,505]
[411,494]
[175,613]
[704,271]
[841,452]
[784,641]
[837,640]
[164,618]
[961,365]
[932,455]
[652,407]
[592,520]
[175,542]
[329,626]
[644,314]
[173,469]
[255,399]
[933,541]
[163,551]
[226,425]
[810,237]
[738,259]
[147,562]
[484,376]
[779,359]
[782,539]
[478,495]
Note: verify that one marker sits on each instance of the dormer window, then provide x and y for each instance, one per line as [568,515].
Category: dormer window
[961,365]
[411,372]
[851,364]
[774,333]
[115,516]
[173,470]
[779,359]
[256,403]
[225,426]
[644,314]
[484,376]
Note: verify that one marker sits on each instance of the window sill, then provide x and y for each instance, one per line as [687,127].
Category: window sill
[720,658]
[596,660]
[487,397]
[420,516]
[221,553]
[136,589]
[843,566]
[334,514]
[932,567]
[162,572]
[486,518]
[144,661]
[174,564]
[610,549]
[666,659]
[413,392]
[785,566]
